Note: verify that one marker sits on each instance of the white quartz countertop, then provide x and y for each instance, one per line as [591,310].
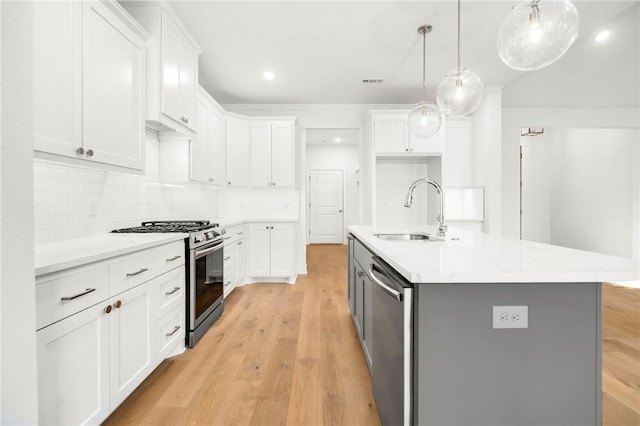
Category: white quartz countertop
[228,222]
[473,257]
[58,255]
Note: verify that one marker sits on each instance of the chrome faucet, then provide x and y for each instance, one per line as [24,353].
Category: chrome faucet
[442,227]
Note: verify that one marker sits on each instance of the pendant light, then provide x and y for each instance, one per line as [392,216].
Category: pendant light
[425,119]
[460,93]
[537,33]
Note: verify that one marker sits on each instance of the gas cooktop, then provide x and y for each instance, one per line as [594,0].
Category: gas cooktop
[184,226]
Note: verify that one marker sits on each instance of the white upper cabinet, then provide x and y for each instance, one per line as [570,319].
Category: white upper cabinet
[172,68]
[272,153]
[391,136]
[88,83]
[207,148]
[238,152]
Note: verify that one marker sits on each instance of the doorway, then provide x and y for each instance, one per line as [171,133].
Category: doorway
[326,206]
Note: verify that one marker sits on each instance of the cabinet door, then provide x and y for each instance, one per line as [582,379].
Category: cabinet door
[199,146]
[57,77]
[390,134]
[351,279]
[171,58]
[230,267]
[259,250]
[367,317]
[73,369]
[359,300]
[282,250]
[113,66]
[216,148]
[238,153]
[131,341]
[241,261]
[261,154]
[425,145]
[188,83]
[282,154]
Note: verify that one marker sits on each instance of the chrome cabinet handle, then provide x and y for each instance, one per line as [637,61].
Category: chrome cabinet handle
[360,273]
[108,309]
[210,179]
[171,259]
[227,258]
[227,238]
[117,304]
[80,150]
[239,243]
[89,153]
[240,233]
[227,283]
[133,274]
[168,293]
[185,119]
[272,227]
[228,183]
[175,330]
[87,291]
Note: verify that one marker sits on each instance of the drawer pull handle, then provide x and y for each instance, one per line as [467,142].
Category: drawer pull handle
[133,274]
[240,233]
[118,304]
[171,259]
[227,238]
[175,330]
[108,309]
[239,243]
[87,291]
[227,258]
[360,273]
[227,283]
[168,293]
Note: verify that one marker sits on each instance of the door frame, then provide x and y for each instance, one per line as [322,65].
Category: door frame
[308,202]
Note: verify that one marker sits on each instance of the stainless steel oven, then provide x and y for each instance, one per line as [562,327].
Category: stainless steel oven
[205,288]
[204,270]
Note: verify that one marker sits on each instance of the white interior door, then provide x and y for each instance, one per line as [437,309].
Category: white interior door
[326,210]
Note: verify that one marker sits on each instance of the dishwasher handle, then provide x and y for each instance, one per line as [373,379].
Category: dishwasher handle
[390,291]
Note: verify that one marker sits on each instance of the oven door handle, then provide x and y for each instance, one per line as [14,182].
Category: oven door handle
[205,252]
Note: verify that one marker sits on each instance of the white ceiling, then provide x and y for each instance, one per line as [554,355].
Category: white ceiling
[322,50]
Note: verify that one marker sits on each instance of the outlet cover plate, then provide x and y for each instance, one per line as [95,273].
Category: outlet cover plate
[510,317]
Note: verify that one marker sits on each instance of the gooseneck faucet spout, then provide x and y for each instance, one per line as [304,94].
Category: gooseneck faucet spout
[442,227]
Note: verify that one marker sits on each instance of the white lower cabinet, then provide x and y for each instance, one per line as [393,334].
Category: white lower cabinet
[97,344]
[234,258]
[73,369]
[271,250]
[131,348]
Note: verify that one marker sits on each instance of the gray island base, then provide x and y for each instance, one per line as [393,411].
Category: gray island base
[424,313]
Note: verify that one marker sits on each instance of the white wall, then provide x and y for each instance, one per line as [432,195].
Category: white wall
[71,201]
[592,180]
[515,118]
[486,157]
[339,157]
[18,366]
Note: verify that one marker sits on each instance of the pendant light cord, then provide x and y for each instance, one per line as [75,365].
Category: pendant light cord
[424,64]
[459,37]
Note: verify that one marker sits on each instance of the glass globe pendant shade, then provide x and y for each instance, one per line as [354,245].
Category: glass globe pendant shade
[424,120]
[537,33]
[460,93]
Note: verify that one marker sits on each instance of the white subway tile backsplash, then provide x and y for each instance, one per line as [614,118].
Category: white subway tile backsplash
[72,201]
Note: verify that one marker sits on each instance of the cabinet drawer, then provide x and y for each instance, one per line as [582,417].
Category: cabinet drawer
[63,294]
[130,271]
[171,291]
[170,331]
[362,255]
[169,257]
[233,234]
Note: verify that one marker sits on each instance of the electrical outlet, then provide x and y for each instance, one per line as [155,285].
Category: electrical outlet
[510,317]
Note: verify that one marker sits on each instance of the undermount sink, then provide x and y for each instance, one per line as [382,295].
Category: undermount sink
[408,237]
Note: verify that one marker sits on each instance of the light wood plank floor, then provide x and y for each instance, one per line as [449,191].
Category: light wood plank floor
[289,355]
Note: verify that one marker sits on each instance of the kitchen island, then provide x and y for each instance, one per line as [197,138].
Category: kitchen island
[465,357]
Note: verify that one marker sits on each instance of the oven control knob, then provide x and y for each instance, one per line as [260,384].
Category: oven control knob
[209,235]
[198,239]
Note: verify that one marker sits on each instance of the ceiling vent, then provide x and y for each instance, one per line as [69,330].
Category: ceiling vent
[372,80]
[531,131]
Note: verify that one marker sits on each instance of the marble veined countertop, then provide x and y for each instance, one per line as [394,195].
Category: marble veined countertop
[474,257]
[58,255]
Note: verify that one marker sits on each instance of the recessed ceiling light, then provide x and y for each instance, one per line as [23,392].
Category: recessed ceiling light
[601,36]
[269,75]
[337,139]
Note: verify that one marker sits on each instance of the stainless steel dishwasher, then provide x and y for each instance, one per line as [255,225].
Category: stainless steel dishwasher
[392,346]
